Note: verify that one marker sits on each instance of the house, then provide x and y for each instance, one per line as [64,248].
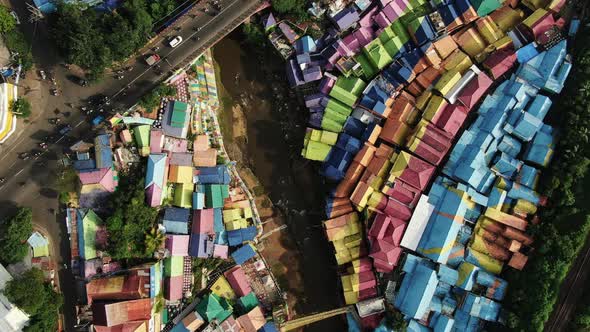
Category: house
[88,223]
[203,222]
[215,194]
[156,178]
[102,178]
[222,288]
[183,193]
[252,321]
[156,140]
[177,245]
[269,22]
[213,175]
[133,285]
[238,281]
[346,18]
[180,174]
[173,288]
[176,220]
[243,254]
[176,119]
[142,138]
[112,314]
[12,319]
[201,246]
[103,152]
[213,307]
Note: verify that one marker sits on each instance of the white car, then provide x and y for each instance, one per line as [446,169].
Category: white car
[16,20]
[175,41]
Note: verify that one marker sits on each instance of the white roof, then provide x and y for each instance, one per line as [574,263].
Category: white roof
[417,224]
[12,319]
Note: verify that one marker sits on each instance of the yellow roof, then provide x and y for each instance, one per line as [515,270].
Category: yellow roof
[180,174]
[222,288]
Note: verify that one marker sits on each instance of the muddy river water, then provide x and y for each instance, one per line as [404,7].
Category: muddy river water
[255,78]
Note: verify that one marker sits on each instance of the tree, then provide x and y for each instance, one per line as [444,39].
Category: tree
[13,236]
[290,7]
[253,33]
[7,22]
[30,293]
[153,240]
[26,291]
[131,219]
[151,100]
[21,108]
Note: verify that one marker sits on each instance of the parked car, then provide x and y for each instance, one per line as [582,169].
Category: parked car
[175,41]
[16,20]
[97,120]
[42,74]
[65,129]
[152,59]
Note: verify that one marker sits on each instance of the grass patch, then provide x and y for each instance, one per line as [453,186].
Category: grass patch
[224,115]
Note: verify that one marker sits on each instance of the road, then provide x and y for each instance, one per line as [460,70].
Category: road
[32,182]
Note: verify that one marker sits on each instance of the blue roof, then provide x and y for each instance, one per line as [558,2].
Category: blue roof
[416,291]
[213,175]
[198,201]
[414,326]
[243,254]
[218,225]
[443,324]
[481,307]
[156,168]
[104,154]
[444,224]
[176,220]
[268,327]
[540,149]
[88,164]
[200,246]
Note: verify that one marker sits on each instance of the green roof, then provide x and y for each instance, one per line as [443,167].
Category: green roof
[180,114]
[333,115]
[400,31]
[41,251]
[484,7]
[142,135]
[377,54]
[331,125]
[316,151]
[248,302]
[393,46]
[347,89]
[367,68]
[386,35]
[91,221]
[174,266]
[214,195]
[211,308]
[339,107]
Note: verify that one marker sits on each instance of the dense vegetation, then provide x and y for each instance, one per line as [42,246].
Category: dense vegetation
[151,100]
[21,108]
[565,223]
[30,293]
[131,221]
[15,40]
[581,319]
[295,8]
[95,40]
[14,233]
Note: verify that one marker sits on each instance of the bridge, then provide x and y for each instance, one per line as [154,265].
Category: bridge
[310,319]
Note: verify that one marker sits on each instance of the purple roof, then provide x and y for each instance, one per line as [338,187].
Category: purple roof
[220,251]
[346,18]
[352,43]
[364,36]
[314,100]
[199,244]
[154,195]
[294,74]
[342,48]
[382,20]
[327,83]
[367,19]
[269,21]
[312,74]
[288,32]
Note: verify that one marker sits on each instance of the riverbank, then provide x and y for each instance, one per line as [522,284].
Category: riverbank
[266,130]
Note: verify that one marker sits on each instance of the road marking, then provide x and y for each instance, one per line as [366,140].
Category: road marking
[12,164]
[79,123]
[15,175]
[59,139]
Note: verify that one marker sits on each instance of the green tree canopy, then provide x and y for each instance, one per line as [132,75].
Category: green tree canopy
[30,293]
[7,22]
[21,108]
[14,233]
[131,220]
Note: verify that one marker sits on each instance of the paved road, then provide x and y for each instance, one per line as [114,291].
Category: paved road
[32,182]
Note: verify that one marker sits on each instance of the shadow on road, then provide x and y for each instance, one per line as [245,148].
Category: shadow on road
[7,209]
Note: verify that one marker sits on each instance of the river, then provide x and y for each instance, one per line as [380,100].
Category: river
[276,123]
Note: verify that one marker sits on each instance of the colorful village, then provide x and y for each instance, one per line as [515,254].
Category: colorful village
[206,212]
[428,118]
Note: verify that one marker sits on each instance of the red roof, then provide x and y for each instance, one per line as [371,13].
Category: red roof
[404,193]
[238,281]
[396,209]
[111,314]
[417,173]
[451,118]
[203,221]
[380,225]
[127,327]
[499,62]
[474,90]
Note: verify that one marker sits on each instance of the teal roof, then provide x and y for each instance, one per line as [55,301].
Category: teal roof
[156,168]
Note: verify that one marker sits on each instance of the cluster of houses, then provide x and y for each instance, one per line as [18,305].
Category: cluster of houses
[205,214]
[428,117]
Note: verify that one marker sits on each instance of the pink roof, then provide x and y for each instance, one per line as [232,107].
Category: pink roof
[395,234]
[404,193]
[238,281]
[351,43]
[417,173]
[154,195]
[367,293]
[380,225]
[396,209]
[156,140]
[103,176]
[203,221]
[342,48]
[474,90]
[173,288]
[451,118]
[127,327]
[220,251]
[382,20]
[172,144]
[364,264]
[327,83]
[382,266]
[177,244]
[367,19]
[364,36]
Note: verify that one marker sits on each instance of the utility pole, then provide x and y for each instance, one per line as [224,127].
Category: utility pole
[35,14]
